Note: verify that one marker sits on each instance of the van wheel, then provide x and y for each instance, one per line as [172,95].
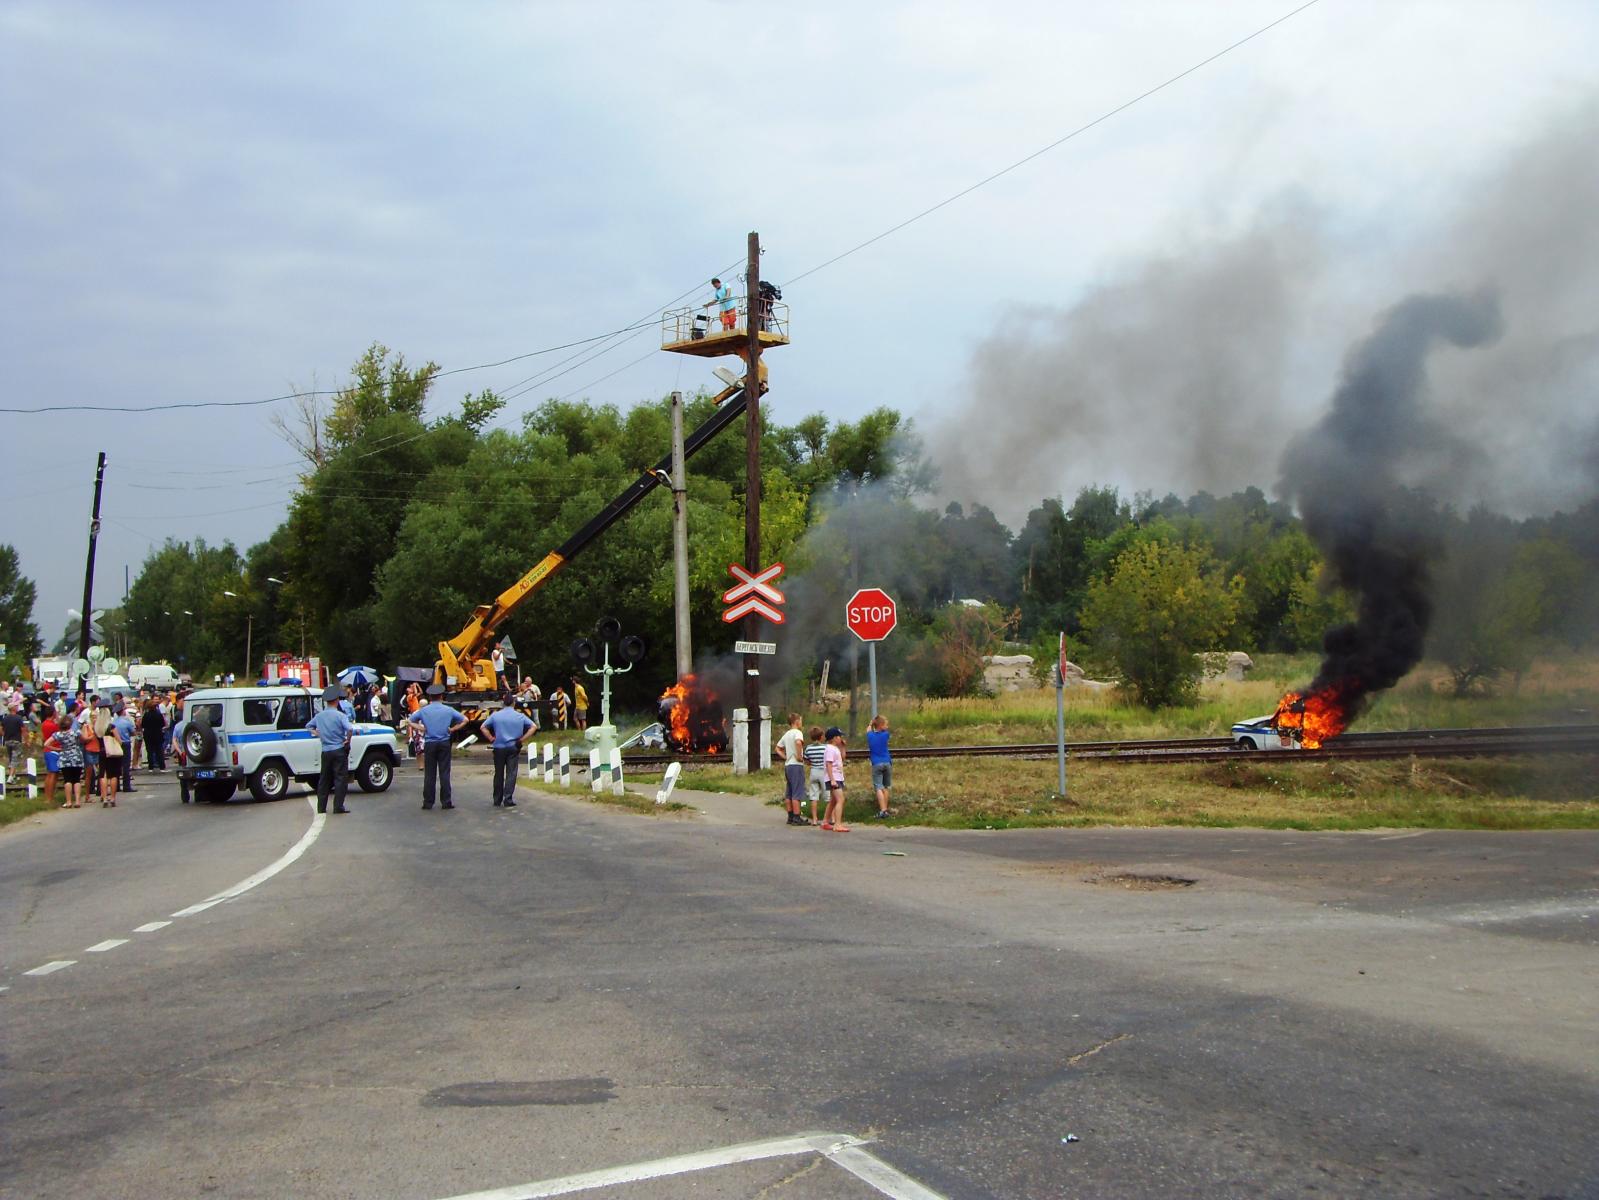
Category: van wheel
[215,793]
[270,782]
[376,772]
[1247,744]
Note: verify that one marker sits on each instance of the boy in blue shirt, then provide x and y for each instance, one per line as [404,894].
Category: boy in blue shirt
[882,762]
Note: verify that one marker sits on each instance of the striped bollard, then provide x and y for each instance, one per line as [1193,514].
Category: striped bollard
[617,787]
[33,791]
[595,782]
[566,766]
[549,762]
[532,760]
[668,782]
[33,769]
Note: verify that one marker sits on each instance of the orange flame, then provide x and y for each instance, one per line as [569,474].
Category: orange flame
[1314,716]
[693,718]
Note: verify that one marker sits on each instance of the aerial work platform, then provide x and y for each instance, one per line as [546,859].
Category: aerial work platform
[699,330]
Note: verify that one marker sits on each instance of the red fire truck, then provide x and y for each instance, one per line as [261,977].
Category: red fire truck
[310,672]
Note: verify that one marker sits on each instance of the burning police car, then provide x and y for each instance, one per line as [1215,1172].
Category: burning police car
[1263,733]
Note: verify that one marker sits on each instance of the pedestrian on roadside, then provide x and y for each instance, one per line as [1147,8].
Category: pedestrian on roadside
[48,724]
[13,726]
[92,721]
[511,730]
[133,712]
[815,758]
[437,721]
[68,745]
[833,771]
[334,730]
[580,703]
[154,728]
[112,756]
[791,749]
[882,762]
[124,727]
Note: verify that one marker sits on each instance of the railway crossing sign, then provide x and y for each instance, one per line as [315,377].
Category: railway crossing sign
[753,593]
[871,614]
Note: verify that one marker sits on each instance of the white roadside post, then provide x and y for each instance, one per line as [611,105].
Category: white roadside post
[33,769]
[617,787]
[595,783]
[566,766]
[549,762]
[668,782]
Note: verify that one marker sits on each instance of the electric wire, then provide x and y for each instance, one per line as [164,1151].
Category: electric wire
[1060,141]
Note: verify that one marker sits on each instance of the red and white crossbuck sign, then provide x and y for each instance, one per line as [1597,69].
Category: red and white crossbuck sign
[753,593]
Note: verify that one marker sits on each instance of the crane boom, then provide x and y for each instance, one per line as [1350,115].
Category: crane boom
[463,663]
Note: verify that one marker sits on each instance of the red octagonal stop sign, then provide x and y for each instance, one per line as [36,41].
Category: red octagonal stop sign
[870,614]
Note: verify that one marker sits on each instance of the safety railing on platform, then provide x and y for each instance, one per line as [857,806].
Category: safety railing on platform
[696,322]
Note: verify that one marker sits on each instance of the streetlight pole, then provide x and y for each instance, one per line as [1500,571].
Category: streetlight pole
[752,486]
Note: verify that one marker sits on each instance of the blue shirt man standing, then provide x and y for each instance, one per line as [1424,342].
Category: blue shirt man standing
[510,730]
[437,721]
[333,729]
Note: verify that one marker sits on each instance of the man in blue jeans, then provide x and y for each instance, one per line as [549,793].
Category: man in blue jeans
[511,730]
[436,721]
[334,730]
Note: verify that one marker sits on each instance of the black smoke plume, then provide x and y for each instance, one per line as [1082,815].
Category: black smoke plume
[1351,477]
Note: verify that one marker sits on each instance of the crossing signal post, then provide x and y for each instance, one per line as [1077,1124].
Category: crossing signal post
[752,484]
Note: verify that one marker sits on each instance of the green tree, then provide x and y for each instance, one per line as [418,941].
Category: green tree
[17,594]
[1161,604]
[948,660]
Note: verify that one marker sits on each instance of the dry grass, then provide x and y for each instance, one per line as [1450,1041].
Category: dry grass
[1550,792]
[15,806]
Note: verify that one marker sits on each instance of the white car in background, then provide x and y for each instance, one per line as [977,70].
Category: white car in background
[1261,733]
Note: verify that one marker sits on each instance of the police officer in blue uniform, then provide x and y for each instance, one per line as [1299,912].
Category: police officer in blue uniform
[437,721]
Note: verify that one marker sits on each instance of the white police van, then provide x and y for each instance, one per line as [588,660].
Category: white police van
[258,736]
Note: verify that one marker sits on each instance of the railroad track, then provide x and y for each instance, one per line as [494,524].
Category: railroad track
[1422,743]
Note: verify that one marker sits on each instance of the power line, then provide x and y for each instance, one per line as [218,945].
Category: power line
[1060,141]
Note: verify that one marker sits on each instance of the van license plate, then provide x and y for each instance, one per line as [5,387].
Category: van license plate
[205,774]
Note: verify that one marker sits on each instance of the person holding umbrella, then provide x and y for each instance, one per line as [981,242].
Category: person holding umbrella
[334,729]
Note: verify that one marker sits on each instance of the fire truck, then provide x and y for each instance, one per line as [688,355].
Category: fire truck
[308,672]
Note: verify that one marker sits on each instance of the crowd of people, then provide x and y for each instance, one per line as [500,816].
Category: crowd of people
[91,745]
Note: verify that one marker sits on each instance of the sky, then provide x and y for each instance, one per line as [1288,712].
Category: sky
[203,202]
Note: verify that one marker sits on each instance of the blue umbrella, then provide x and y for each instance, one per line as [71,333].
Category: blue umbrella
[358,676]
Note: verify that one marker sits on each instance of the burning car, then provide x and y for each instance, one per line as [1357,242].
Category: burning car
[693,718]
[1262,733]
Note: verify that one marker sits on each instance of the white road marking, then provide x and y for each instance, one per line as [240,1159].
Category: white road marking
[1399,837]
[839,1148]
[108,944]
[265,873]
[151,926]
[50,968]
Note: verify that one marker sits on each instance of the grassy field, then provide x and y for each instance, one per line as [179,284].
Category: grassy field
[15,805]
[1272,791]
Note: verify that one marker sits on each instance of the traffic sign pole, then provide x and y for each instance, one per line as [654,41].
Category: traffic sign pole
[1060,712]
[871,672]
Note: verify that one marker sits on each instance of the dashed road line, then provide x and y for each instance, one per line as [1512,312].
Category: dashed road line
[841,1149]
[291,856]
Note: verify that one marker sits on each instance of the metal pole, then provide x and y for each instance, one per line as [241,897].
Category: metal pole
[752,485]
[249,633]
[685,648]
[88,572]
[1060,725]
[871,667]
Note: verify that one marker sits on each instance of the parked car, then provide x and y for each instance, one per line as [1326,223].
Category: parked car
[1261,733]
[258,736]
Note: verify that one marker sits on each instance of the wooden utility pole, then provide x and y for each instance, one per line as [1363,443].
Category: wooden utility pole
[685,648]
[87,620]
[752,486]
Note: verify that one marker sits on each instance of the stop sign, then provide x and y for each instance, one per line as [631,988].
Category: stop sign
[870,614]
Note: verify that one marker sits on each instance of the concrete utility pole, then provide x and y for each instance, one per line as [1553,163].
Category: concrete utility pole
[752,485]
[685,648]
[87,620]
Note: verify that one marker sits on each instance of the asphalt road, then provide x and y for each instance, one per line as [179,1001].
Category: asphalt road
[426,1004]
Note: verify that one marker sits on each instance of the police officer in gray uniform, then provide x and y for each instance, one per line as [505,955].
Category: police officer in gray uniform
[335,729]
[437,721]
